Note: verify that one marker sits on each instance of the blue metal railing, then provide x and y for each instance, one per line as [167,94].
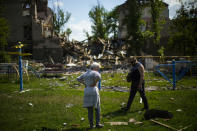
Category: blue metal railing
[174,79]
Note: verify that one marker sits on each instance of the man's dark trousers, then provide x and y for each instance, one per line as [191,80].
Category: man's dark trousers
[133,92]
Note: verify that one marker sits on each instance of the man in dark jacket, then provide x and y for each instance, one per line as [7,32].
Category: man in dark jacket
[136,76]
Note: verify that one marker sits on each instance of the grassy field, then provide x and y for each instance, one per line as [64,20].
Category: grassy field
[56,105]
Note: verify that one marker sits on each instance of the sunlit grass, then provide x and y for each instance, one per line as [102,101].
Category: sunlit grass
[50,102]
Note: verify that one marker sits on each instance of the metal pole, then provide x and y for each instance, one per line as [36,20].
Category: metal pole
[99,85]
[20,69]
[174,74]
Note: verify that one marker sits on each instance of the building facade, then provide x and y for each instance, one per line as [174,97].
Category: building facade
[31,22]
[147,17]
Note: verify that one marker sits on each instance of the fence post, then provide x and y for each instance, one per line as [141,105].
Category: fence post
[174,74]
[20,69]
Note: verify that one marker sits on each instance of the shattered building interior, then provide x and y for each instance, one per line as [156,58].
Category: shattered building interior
[31,21]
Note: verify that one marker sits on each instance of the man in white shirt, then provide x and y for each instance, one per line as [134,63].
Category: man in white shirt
[91,93]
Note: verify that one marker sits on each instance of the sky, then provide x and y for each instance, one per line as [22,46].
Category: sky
[80,21]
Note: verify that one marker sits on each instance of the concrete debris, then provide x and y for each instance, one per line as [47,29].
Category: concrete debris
[71,64]
[151,88]
[172,99]
[69,105]
[123,104]
[119,89]
[117,123]
[138,122]
[23,91]
[30,104]
[132,120]
[64,124]
[179,110]
[63,78]
[140,100]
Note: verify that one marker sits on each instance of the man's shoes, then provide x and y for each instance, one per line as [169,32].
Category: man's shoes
[92,126]
[99,126]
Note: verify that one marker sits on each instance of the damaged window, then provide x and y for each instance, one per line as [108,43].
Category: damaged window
[27,32]
[26,13]
[26,5]
[26,8]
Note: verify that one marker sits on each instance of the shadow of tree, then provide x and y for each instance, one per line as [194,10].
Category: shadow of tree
[76,129]
[119,113]
[70,129]
[115,113]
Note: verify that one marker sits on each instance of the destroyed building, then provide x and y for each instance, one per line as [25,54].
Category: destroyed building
[31,22]
[147,17]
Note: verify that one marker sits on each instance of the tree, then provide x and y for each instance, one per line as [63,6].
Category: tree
[156,9]
[60,19]
[100,27]
[112,20]
[133,23]
[183,31]
[68,32]
[4,31]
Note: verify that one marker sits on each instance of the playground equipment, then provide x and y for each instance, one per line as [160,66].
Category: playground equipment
[182,72]
[11,68]
[20,54]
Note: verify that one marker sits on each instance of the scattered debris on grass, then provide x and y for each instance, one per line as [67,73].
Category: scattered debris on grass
[117,123]
[164,125]
[123,104]
[69,105]
[82,119]
[151,88]
[64,124]
[170,127]
[75,125]
[132,120]
[179,110]
[138,122]
[30,104]
[23,91]
[172,99]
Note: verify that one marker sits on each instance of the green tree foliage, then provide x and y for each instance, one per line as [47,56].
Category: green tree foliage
[156,9]
[98,16]
[68,32]
[4,31]
[133,23]
[60,19]
[104,23]
[183,31]
[161,53]
[112,20]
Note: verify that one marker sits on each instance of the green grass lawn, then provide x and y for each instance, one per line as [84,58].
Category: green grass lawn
[48,103]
